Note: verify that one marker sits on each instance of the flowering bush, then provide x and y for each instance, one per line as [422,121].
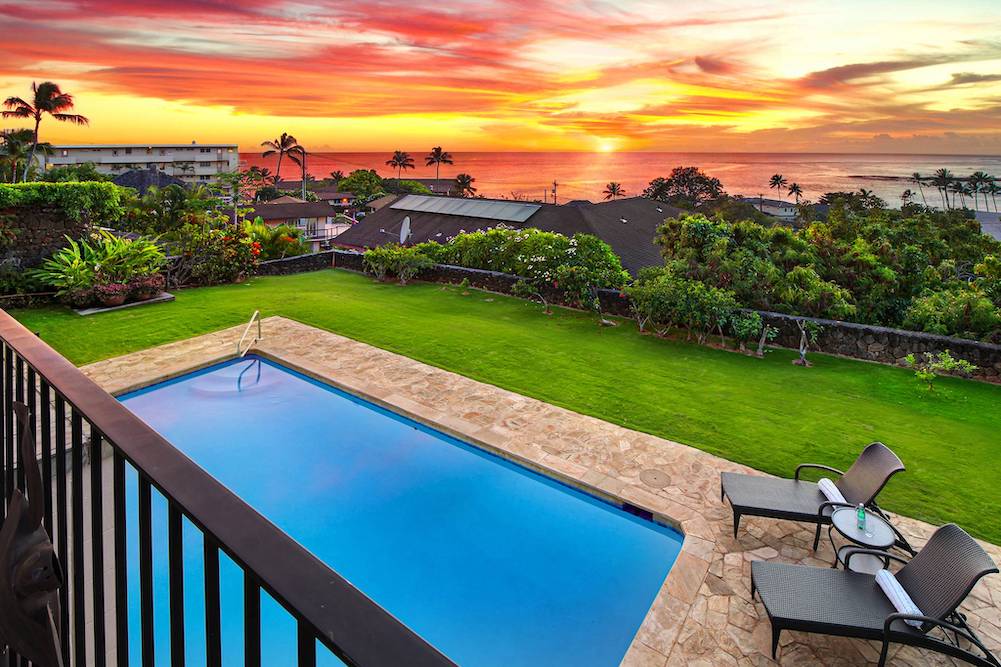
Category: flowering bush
[576,265]
[208,255]
[275,242]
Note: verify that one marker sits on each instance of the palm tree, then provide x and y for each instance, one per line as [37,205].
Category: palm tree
[401,160]
[437,157]
[464,185]
[280,147]
[298,155]
[337,175]
[614,190]
[917,178]
[796,191]
[941,180]
[13,149]
[993,189]
[777,182]
[906,196]
[978,182]
[959,188]
[47,98]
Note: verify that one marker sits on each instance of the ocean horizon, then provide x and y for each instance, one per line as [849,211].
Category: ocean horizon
[583,175]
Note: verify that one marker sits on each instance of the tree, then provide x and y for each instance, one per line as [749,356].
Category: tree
[978,183]
[401,160]
[959,189]
[14,149]
[942,179]
[464,185]
[993,189]
[777,182]
[47,98]
[437,157]
[917,179]
[73,172]
[298,155]
[687,187]
[906,196]
[796,191]
[336,175]
[280,147]
[362,183]
[614,190]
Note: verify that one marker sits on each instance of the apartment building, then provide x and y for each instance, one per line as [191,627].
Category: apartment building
[192,163]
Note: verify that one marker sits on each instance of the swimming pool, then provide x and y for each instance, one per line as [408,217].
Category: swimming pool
[488,561]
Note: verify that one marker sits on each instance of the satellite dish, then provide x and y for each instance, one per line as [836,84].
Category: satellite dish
[405,230]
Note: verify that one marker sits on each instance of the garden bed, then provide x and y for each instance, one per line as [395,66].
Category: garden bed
[162,297]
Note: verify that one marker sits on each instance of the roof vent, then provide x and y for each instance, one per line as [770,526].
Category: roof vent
[623,220]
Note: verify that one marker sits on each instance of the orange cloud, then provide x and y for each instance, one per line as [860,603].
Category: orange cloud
[513,73]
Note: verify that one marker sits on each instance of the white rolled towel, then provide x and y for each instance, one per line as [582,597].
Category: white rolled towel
[830,489]
[898,597]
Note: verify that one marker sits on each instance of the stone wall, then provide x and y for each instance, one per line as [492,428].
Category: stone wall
[848,339]
[883,344]
[37,233]
[297,264]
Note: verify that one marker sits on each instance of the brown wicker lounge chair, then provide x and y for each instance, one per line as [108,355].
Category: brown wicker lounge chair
[796,500]
[851,604]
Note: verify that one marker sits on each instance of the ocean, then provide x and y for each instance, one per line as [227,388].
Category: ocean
[584,175]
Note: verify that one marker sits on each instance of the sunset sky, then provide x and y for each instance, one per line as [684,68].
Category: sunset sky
[713,75]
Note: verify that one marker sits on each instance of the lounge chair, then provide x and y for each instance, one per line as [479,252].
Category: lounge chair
[851,604]
[795,500]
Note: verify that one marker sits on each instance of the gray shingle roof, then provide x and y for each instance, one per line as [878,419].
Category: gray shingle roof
[627,225]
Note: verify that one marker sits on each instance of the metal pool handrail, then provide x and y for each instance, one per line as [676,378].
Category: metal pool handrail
[239,344]
[326,607]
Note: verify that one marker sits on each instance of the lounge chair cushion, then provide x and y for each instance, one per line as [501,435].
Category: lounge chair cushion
[830,490]
[899,598]
[773,497]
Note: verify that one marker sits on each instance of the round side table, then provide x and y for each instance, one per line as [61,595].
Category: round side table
[877,535]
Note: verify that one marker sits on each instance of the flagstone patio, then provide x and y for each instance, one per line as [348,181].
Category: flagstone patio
[703,614]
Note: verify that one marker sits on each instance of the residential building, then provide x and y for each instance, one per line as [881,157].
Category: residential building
[319,221]
[192,163]
[324,190]
[627,225]
[783,210]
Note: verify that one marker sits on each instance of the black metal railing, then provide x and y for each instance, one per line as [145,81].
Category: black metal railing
[87,444]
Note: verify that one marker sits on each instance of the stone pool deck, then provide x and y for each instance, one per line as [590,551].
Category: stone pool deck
[703,614]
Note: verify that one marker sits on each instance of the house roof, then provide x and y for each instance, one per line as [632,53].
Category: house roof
[286,210]
[438,186]
[627,225]
[765,201]
[143,179]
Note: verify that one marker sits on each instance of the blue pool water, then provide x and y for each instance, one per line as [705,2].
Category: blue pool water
[488,561]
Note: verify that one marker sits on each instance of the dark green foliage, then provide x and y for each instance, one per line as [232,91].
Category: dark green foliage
[931,271]
[686,187]
[97,202]
[73,173]
[402,261]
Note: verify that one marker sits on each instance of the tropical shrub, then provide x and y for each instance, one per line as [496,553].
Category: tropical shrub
[207,255]
[964,311]
[930,365]
[363,184]
[665,301]
[402,261]
[921,269]
[576,265]
[745,327]
[276,241]
[102,260]
[74,173]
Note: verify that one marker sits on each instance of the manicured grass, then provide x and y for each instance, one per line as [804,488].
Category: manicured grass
[766,413]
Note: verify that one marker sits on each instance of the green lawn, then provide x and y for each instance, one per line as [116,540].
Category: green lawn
[766,413]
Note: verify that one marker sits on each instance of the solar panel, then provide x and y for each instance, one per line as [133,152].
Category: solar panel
[507,211]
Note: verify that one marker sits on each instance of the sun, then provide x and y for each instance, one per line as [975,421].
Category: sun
[606,145]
